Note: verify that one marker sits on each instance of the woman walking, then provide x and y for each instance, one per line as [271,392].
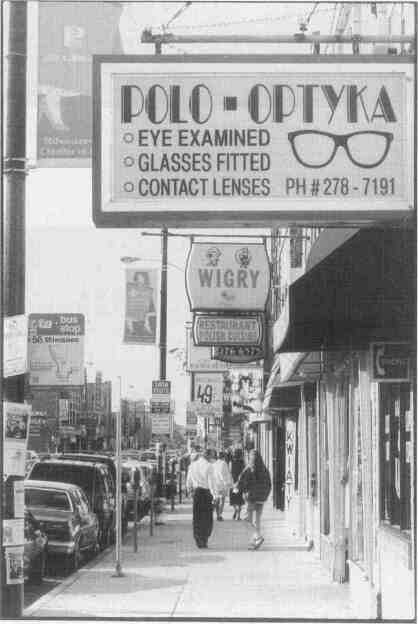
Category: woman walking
[235,495]
[255,482]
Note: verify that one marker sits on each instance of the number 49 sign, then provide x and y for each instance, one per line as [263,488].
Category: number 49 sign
[208,391]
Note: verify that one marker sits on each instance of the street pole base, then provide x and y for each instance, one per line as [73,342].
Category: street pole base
[118,571]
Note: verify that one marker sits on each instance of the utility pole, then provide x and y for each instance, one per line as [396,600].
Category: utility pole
[14,169]
[163,304]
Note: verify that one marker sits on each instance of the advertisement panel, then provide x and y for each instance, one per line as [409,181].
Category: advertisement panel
[16,426]
[238,354]
[142,287]
[208,393]
[176,141]
[199,359]
[391,361]
[69,33]
[15,345]
[56,349]
[227,330]
[227,276]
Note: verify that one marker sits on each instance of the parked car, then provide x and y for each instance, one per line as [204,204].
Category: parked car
[109,461]
[35,552]
[31,458]
[149,456]
[64,514]
[144,490]
[95,480]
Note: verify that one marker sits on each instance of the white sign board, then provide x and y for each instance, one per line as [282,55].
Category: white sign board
[244,141]
[227,276]
[161,424]
[56,349]
[15,345]
[227,330]
[199,359]
[208,393]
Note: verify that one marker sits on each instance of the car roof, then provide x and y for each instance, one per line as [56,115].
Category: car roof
[67,462]
[50,485]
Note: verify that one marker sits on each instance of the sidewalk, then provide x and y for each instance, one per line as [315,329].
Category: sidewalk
[170,577]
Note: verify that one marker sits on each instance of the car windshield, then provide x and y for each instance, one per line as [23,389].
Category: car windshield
[67,473]
[47,498]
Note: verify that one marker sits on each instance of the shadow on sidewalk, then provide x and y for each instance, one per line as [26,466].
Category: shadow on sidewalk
[132,581]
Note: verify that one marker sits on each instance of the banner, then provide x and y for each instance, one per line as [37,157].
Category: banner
[56,349]
[141,306]
[69,34]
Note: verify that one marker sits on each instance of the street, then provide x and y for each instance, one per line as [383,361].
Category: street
[169,577]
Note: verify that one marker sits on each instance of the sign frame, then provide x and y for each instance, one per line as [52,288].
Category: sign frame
[237,359]
[203,343]
[406,356]
[249,212]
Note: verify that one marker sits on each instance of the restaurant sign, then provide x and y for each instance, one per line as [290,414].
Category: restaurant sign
[390,361]
[243,141]
[214,330]
[227,276]
[241,354]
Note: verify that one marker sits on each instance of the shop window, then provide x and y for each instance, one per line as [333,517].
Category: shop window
[395,454]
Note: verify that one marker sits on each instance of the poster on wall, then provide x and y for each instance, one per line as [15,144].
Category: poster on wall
[141,306]
[13,533]
[16,423]
[15,345]
[14,565]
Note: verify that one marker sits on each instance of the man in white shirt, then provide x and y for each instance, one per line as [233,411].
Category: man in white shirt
[223,483]
[200,480]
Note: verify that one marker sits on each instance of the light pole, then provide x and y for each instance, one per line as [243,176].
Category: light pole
[118,562]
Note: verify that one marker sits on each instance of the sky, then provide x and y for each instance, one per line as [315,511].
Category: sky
[72,266]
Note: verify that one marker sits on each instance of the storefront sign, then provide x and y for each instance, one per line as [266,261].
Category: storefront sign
[227,330]
[199,359]
[227,276]
[208,393]
[56,349]
[244,143]
[238,354]
[15,345]
[390,361]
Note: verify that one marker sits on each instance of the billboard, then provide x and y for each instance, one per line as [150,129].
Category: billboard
[69,33]
[56,349]
[226,329]
[244,141]
[141,306]
[228,276]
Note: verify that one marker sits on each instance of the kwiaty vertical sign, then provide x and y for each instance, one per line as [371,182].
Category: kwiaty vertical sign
[69,34]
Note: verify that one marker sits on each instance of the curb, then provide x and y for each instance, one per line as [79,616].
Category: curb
[67,582]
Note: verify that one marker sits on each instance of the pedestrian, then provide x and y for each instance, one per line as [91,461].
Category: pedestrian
[235,495]
[200,480]
[255,482]
[222,483]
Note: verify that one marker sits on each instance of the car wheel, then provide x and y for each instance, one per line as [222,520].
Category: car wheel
[74,560]
[39,568]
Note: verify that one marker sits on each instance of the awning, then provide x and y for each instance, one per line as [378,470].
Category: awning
[363,291]
[284,396]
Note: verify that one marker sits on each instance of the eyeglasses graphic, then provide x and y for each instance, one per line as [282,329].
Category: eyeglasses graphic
[316,149]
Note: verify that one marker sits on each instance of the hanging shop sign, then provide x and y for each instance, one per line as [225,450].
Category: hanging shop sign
[227,330]
[245,141]
[56,349]
[227,276]
[199,359]
[238,354]
[208,393]
[390,361]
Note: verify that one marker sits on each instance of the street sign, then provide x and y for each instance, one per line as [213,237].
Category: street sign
[227,276]
[238,354]
[160,400]
[208,393]
[227,330]
[159,407]
[161,424]
[56,349]
[15,345]
[390,361]
[246,141]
